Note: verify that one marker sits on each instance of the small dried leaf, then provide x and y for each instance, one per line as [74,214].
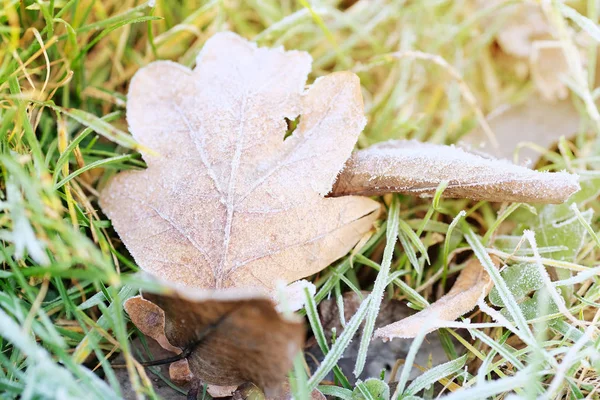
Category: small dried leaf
[235,336]
[228,202]
[180,372]
[411,167]
[471,283]
[150,319]
[534,121]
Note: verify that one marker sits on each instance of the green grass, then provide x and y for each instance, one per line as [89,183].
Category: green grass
[428,72]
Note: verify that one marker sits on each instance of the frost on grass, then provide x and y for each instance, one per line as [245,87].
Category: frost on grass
[22,234]
[227,201]
[472,283]
[521,279]
[418,168]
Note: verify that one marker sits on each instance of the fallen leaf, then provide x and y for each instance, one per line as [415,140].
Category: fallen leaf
[228,202]
[471,283]
[251,392]
[533,120]
[150,319]
[413,167]
[231,336]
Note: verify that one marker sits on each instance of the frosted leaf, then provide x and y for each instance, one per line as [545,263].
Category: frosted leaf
[559,226]
[226,201]
[521,279]
[533,308]
[411,167]
[471,283]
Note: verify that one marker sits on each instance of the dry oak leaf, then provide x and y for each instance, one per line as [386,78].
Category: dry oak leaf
[228,202]
[472,282]
[411,167]
[232,336]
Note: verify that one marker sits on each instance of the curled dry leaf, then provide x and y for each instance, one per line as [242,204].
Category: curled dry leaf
[230,336]
[412,167]
[150,320]
[471,283]
[228,202]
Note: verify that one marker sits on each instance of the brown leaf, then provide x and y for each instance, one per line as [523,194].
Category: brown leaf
[533,120]
[229,202]
[150,319]
[471,283]
[232,336]
[412,167]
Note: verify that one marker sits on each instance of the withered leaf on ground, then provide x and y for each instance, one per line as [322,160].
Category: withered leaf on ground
[532,121]
[472,282]
[227,201]
[412,167]
[231,336]
[150,320]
